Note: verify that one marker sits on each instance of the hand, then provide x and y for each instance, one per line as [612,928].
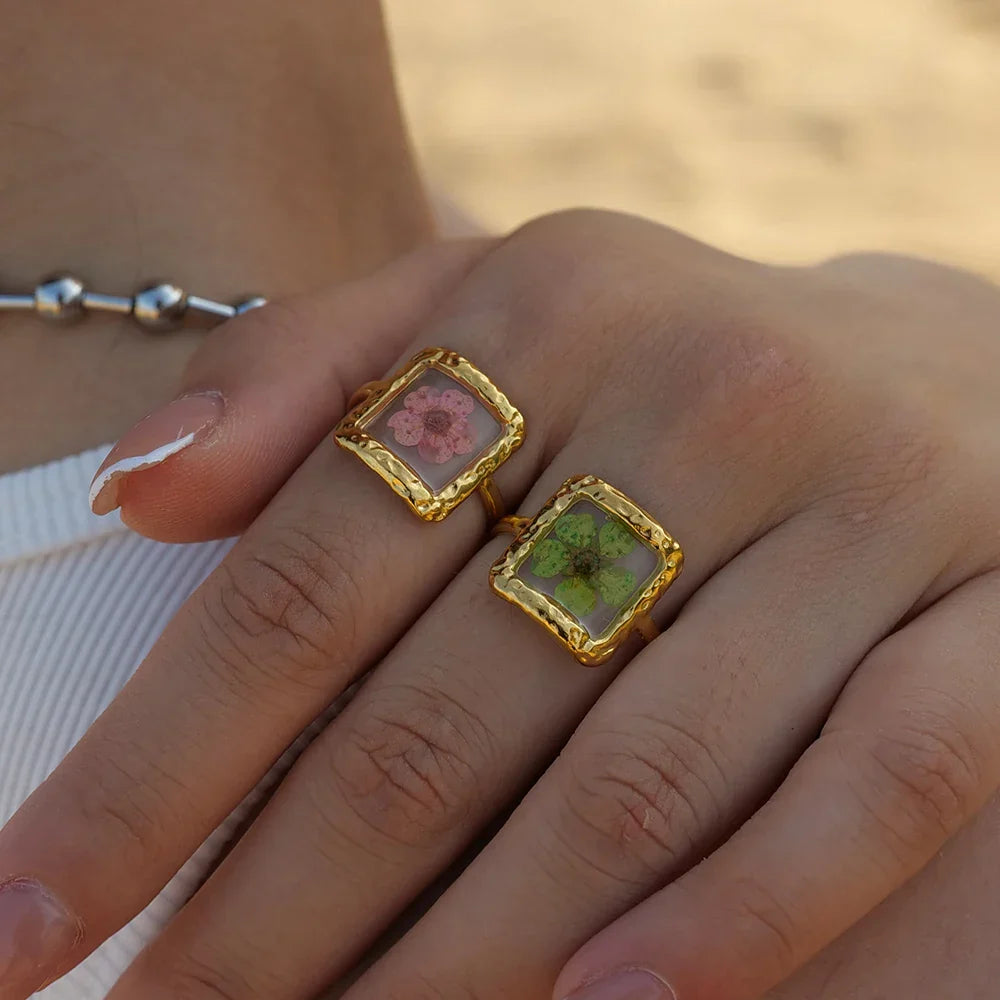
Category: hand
[825,685]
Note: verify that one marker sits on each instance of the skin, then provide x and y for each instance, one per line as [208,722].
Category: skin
[293,187]
[807,410]
[82,387]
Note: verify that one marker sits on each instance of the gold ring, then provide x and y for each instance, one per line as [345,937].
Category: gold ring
[588,567]
[436,432]
[512,524]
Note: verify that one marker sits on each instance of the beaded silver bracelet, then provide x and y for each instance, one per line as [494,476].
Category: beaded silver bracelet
[159,307]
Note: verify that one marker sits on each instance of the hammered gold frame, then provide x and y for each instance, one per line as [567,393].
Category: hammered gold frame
[424,502]
[544,609]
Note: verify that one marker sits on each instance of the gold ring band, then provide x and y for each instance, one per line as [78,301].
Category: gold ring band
[492,500]
[512,524]
[645,628]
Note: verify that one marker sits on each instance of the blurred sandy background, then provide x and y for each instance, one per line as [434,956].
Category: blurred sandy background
[785,129]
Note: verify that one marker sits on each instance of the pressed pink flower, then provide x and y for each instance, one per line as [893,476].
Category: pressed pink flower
[435,423]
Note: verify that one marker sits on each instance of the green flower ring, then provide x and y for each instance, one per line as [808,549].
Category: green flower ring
[587,559]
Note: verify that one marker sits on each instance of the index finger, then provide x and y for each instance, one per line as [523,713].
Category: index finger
[316,590]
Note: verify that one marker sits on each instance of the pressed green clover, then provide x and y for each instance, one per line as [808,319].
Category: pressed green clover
[586,556]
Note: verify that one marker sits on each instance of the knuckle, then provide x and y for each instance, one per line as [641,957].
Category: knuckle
[751,379]
[122,793]
[188,976]
[638,799]
[608,237]
[932,771]
[767,927]
[921,780]
[412,764]
[191,982]
[591,276]
[569,233]
[576,271]
[891,474]
[553,282]
[288,606]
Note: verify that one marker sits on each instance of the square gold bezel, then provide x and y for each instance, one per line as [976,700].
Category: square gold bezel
[590,651]
[421,499]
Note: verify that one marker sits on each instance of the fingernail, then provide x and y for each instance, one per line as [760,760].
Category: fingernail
[162,434]
[36,934]
[629,984]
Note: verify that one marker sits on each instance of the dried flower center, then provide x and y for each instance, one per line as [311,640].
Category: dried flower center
[437,421]
[585,562]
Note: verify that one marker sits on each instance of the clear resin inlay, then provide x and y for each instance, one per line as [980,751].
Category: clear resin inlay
[437,426]
[591,563]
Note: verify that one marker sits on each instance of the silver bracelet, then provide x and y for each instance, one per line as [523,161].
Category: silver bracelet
[159,307]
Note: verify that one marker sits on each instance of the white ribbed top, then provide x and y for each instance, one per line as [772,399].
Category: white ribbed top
[41,511]
[82,599]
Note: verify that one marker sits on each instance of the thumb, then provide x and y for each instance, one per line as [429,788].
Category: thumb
[262,391]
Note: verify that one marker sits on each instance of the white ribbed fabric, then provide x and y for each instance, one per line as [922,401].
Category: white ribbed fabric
[81,601]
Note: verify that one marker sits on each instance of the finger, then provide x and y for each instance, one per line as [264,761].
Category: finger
[909,754]
[314,592]
[262,391]
[471,703]
[695,732]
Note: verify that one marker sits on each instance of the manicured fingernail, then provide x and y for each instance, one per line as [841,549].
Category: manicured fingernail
[37,933]
[153,440]
[628,984]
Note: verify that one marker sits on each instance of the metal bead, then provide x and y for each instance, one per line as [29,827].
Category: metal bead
[253,303]
[60,298]
[160,307]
